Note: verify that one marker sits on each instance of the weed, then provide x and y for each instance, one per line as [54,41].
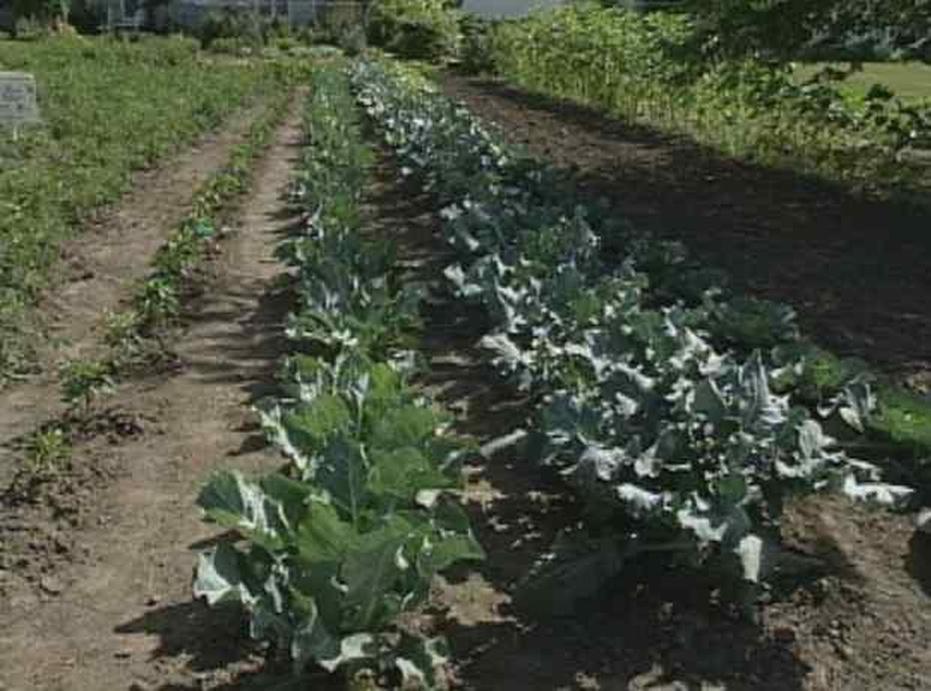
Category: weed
[47,450]
[83,380]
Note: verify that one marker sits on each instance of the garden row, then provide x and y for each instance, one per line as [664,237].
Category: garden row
[343,541]
[682,415]
[109,107]
[157,300]
[654,69]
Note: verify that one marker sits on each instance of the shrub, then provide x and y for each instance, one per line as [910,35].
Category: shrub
[245,27]
[476,52]
[414,29]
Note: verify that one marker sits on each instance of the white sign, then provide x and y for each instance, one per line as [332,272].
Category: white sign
[18,102]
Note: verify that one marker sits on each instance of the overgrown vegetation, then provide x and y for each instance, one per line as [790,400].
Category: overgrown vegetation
[682,415]
[109,108]
[831,29]
[658,69]
[130,334]
[416,29]
[344,541]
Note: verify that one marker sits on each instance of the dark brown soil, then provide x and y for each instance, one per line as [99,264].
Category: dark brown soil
[855,269]
[97,562]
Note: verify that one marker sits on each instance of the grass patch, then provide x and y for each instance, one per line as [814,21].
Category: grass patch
[910,81]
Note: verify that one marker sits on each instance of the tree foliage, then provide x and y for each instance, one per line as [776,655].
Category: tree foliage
[784,28]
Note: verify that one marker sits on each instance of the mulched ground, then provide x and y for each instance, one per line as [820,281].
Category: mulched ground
[858,271]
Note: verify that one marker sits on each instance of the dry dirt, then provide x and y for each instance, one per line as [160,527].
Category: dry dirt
[97,572]
[99,270]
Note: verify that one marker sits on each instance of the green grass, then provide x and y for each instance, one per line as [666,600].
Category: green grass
[911,81]
[109,107]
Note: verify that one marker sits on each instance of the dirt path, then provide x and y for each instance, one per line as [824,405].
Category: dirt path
[112,609]
[99,270]
[856,270]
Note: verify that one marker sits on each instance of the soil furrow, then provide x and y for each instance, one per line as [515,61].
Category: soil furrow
[114,611]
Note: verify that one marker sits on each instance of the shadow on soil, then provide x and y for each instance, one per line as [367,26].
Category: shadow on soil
[854,268]
[215,644]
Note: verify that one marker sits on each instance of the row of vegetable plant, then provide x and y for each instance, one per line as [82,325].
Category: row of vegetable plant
[681,414]
[341,544]
[108,107]
[158,298]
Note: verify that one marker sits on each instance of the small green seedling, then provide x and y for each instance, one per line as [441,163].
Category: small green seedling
[47,450]
[83,380]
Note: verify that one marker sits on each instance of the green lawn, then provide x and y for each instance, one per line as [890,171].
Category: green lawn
[909,80]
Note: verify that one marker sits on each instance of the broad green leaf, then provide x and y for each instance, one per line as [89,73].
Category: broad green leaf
[234,502]
[418,658]
[403,472]
[343,473]
[309,426]
[312,641]
[220,575]
[408,425]
[369,571]
[440,552]
[322,536]
[352,649]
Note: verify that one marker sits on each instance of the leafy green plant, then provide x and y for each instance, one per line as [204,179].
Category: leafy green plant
[416,29]
[83,380]
[476,52]
[47,450]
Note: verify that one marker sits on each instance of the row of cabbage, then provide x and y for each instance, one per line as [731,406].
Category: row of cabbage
[344,540]
[672,407]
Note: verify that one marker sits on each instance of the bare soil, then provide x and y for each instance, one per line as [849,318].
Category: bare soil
[97,563]
[98,271]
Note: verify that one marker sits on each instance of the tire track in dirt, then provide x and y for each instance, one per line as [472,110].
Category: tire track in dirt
[99,270]
[123,617]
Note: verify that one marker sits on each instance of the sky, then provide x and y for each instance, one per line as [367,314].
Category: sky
[505,8]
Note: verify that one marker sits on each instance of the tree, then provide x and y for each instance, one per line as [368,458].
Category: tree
[52,13]
[781,29]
